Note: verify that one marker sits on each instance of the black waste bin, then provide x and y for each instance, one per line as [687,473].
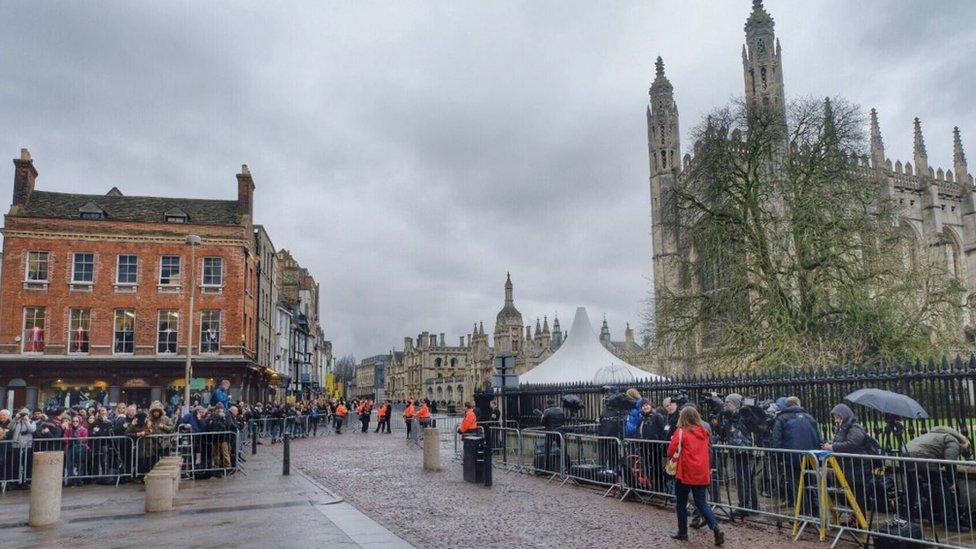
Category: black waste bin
[474,454]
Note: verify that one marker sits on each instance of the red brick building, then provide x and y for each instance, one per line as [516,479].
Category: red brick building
[94,295]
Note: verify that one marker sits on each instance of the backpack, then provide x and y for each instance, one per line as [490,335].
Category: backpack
[871,445]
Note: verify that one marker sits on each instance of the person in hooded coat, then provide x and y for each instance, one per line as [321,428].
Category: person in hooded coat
[851,438]
[939,482]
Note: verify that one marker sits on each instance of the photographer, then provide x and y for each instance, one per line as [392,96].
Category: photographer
[794,429]
[553,419]
[21,432]
[942,492]
[731,433]
[652,428]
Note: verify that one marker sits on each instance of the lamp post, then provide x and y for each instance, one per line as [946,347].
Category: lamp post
[192,241]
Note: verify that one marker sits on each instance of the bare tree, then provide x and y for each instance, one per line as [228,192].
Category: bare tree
[792,256]
[345,368]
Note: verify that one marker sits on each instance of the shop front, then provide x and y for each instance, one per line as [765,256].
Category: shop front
[50,383]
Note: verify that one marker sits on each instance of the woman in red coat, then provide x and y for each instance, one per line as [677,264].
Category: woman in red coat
[694,471]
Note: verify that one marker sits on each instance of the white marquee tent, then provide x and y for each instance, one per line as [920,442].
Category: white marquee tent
[583,358]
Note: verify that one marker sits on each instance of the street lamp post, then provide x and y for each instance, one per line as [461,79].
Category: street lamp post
[192,241]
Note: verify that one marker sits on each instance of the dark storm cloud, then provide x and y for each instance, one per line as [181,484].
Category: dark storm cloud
[410,154]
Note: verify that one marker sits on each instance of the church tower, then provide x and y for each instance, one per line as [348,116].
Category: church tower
[605,333]
[557,333]
[762,61]
[664,146]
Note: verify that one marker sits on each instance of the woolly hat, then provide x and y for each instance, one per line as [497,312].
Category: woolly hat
[734,398]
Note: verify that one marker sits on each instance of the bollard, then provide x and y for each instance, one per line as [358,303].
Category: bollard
[432,449]
[286,455]
[254,440]
[159,492]
[45,492]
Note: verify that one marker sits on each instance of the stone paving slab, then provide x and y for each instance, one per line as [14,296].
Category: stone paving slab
[262,509]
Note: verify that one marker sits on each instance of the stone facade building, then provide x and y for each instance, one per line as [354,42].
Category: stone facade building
[452,373]
[938,206]
[429,368]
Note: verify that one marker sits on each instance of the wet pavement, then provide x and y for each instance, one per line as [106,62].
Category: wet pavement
[261,509]
[383,476]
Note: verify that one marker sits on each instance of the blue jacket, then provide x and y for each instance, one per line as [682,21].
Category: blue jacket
[632,429]
[196,425]
[221,395]
[795,429]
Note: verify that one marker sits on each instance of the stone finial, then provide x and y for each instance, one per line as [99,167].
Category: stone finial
[661,85]
[876,141]
[759,18]
[919,139]
[958,154]
[25,154]
[244,170]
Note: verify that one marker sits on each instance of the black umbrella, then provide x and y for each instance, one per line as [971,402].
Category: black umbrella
[887,402]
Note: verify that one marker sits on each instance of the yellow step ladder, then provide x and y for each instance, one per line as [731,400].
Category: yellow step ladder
[835,498]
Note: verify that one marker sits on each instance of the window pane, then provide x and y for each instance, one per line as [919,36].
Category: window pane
[212,271]
[210,331]
[84,267]
[128,269]
[79,326]
[34,329]
[37,263]
[125,328]
[169,272]
[169,325]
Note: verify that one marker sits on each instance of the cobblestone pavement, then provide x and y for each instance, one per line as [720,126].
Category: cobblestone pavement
[382,476]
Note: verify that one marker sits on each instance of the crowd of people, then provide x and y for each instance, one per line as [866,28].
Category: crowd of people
[109,445]
[786,430]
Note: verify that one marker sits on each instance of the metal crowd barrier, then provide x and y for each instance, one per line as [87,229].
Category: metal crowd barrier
[543,452]
[100,459]
[930,502]
[205,453]
[506,447]
[592,459]
[923,501]
[112,459]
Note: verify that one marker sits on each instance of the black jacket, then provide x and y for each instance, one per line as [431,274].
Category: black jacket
[553,418]
[651,426]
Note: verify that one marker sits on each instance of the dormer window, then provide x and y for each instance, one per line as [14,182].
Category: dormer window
[175,216]
[91,211]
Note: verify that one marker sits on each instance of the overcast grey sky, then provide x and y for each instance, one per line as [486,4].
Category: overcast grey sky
[411,153]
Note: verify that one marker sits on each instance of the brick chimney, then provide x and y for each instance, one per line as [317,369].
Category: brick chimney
[24,176]
[245,192]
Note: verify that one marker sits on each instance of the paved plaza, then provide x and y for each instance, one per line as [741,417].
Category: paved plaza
[262,509]
[382,476]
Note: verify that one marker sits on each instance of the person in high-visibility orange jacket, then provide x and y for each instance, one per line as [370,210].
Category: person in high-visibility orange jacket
[408,416]
[382,417]
[470,422]
[365,409]
[423,415]
[340,416]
